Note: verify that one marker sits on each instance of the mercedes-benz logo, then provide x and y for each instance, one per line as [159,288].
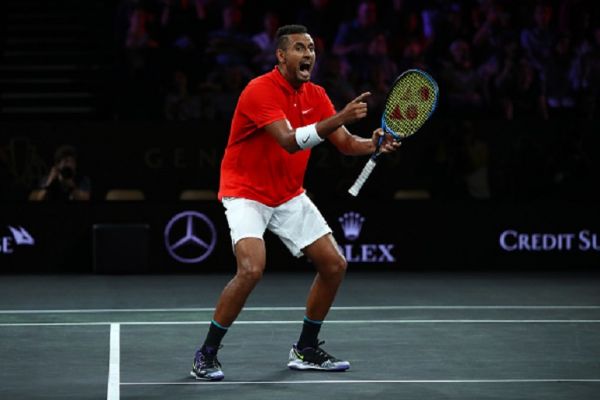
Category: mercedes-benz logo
[190,237]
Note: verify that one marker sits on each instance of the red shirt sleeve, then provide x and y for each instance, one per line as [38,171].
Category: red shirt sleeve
[262,105]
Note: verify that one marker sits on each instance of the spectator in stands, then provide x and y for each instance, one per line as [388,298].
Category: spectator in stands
[63,182]
[320,19]
[559,88]
[577,17]
[519,89]
[184,29]
[230,45]
[184,23]
[180,104]
[143,27]
[380,73]
[353,38]
[266,42]
[207,92]
[585,73]
[493,25]
[444,23]
[140,78]
[230,82]
[203,39]
[413,56]
[460,79]
[334,77]
[539,39]
[407,34]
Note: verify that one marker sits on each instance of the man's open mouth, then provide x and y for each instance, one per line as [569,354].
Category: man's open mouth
[304,66]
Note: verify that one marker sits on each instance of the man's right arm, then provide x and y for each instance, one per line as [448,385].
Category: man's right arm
[40,193]
[285,135]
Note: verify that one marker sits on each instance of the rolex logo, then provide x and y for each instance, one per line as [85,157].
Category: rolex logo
[351,223]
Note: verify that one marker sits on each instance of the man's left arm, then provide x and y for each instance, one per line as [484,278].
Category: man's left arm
[352,145]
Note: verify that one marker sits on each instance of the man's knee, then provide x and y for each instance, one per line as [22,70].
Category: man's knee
[250,255]
[341,265]
[335,268]
[250,270]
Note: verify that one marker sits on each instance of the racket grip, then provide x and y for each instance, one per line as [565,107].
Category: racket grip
[362,178]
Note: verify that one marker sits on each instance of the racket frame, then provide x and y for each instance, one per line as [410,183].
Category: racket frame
[368,168]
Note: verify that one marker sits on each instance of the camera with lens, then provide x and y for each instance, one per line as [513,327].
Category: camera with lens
[66,172]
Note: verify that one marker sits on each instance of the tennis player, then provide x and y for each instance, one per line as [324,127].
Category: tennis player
[279,117]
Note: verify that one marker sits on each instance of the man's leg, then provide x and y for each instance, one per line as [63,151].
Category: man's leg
[251,256]
[331,268]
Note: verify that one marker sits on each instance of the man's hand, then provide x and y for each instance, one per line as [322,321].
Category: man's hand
[52,176]
[388,145]
[355,110]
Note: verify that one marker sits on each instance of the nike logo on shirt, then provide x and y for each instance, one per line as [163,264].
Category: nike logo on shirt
[304,112]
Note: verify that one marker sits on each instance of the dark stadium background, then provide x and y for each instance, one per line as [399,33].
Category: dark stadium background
[504,176]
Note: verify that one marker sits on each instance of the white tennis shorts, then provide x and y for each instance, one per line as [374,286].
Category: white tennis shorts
[297,222]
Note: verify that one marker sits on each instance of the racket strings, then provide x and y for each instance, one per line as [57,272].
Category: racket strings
[409,104]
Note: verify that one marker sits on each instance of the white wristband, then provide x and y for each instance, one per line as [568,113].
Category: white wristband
[307,136]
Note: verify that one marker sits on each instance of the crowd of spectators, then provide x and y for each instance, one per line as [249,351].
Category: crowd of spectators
[518,80]
[511,59]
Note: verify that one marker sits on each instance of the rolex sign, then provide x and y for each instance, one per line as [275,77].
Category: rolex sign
[355,251]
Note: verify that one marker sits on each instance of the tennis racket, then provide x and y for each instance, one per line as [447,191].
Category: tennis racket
[409,104]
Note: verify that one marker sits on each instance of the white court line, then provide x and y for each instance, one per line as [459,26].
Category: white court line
[328,322]
[376,381]
[340,308]
[114,364]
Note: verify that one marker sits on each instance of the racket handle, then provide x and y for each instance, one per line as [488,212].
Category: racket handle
[362,178]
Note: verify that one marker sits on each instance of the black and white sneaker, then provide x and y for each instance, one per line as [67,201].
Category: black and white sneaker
[206,366]
[315,358]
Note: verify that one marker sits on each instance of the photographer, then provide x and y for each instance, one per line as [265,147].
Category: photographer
[62,182]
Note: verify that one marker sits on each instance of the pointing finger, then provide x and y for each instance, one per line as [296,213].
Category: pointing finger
[361,97]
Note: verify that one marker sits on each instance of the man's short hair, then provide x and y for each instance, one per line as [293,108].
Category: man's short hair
[63,152]
[284,31]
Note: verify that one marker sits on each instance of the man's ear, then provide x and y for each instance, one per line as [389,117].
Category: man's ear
[280,56]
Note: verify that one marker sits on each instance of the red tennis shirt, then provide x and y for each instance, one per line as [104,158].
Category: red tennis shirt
[254,165]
